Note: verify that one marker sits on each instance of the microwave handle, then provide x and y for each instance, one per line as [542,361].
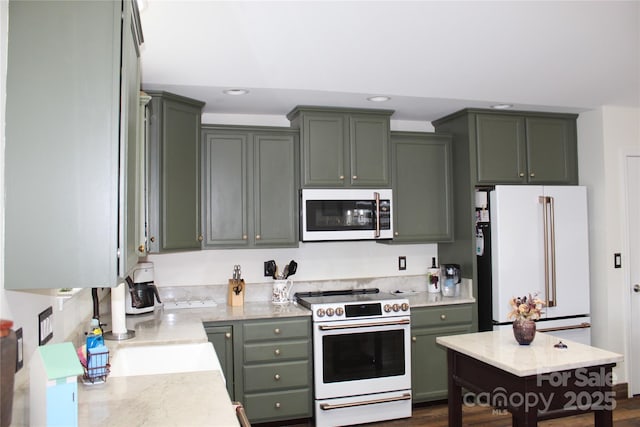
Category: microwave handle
[376,195]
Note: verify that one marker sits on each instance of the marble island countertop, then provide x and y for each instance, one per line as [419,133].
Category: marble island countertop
[500,349]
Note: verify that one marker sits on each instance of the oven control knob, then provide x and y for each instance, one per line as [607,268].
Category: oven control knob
[404,306]
[339,311]
[330,312]
[320,312]
[396,307]
[387,308]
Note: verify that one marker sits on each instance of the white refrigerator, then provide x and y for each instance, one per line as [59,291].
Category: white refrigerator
[540,244]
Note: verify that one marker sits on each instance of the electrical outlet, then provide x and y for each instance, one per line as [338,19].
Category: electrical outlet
[19,353]
[45,326]
[617,260]
[402,263]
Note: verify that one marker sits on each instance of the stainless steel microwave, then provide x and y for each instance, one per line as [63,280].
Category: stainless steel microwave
[346,214]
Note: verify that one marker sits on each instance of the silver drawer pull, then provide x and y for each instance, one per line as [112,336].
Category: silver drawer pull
[276,352]
[277,405]
[329,406]
[276,377]
[276,331]
[443,317]
[365,325]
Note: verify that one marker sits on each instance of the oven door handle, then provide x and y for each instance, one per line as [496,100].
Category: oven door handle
[364,325]
[330,406]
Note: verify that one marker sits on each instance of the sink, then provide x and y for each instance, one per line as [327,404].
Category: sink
[163,359]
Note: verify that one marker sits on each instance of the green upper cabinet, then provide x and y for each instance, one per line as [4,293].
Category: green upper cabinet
[174,173]
[66,174]
[422,187]
[523,149]
[343,147]
[250,187]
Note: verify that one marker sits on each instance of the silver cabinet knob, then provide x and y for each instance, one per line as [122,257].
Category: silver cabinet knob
[341,177]
[532,175]
[354,177]
[277,405]
[276,331]
[636,288]
[521,175]
[244,237]
[414,339]
[276,377]
[276,352]
[227,335]
[258,237]
[443,317]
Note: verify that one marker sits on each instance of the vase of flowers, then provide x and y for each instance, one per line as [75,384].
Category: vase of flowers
[525,311]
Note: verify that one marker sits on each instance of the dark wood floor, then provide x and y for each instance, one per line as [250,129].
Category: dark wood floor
[626,414]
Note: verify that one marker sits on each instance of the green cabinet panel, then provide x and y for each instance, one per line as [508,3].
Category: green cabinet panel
[520,149]
[222,339]
[276,376]
[225,189]
[552,151]
[66,177]
[422,187]
[174,173]
[343,147]
[429,360]
[276,406]
[249,187]
[500,148]
[275,351]
[276,329]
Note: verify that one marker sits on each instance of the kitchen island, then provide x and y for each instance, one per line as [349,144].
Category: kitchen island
[538,381]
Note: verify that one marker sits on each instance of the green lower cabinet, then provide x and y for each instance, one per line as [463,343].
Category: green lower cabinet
[429,360]
[222,339]
[268,366]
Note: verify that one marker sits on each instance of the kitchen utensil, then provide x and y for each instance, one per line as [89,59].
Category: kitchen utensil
[292,268]
[270,268]
[237,288]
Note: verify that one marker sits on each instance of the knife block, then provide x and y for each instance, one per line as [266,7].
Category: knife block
[233,298]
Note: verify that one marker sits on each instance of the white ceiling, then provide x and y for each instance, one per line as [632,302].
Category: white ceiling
[431,57]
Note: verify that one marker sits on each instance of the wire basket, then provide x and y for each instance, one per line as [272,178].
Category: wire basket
[97,367]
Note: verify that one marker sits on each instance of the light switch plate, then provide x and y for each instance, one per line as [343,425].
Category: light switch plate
[402,263]
[45,326]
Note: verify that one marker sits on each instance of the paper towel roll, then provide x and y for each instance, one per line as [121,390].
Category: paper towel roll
[118,316]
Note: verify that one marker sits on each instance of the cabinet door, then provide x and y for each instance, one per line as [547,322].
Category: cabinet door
[275,190]
[368,151]
[551,151]
[500,149]
[324,137]
[225,189]
[429,362]
[422,188]
[130,87]
[174,175]
[222,339]
[61,175]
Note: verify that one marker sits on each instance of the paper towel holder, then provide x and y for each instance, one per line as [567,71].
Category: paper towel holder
[118,317]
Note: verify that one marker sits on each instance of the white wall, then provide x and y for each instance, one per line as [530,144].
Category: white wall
[604,136]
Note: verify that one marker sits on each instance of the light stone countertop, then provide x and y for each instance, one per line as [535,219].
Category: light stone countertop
[500,349]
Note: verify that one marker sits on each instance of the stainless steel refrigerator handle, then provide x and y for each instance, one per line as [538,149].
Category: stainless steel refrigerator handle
[377,197]
[364,325]
[545,233]
[329,406]
[553,301]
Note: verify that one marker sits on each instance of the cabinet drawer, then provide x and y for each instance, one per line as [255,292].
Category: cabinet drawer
[280,405]
[440,316]
[275,376]
[276,351]
[289,328]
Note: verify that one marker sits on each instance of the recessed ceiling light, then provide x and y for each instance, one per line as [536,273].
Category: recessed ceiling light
[502,106]
[236,91]
[379,98]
